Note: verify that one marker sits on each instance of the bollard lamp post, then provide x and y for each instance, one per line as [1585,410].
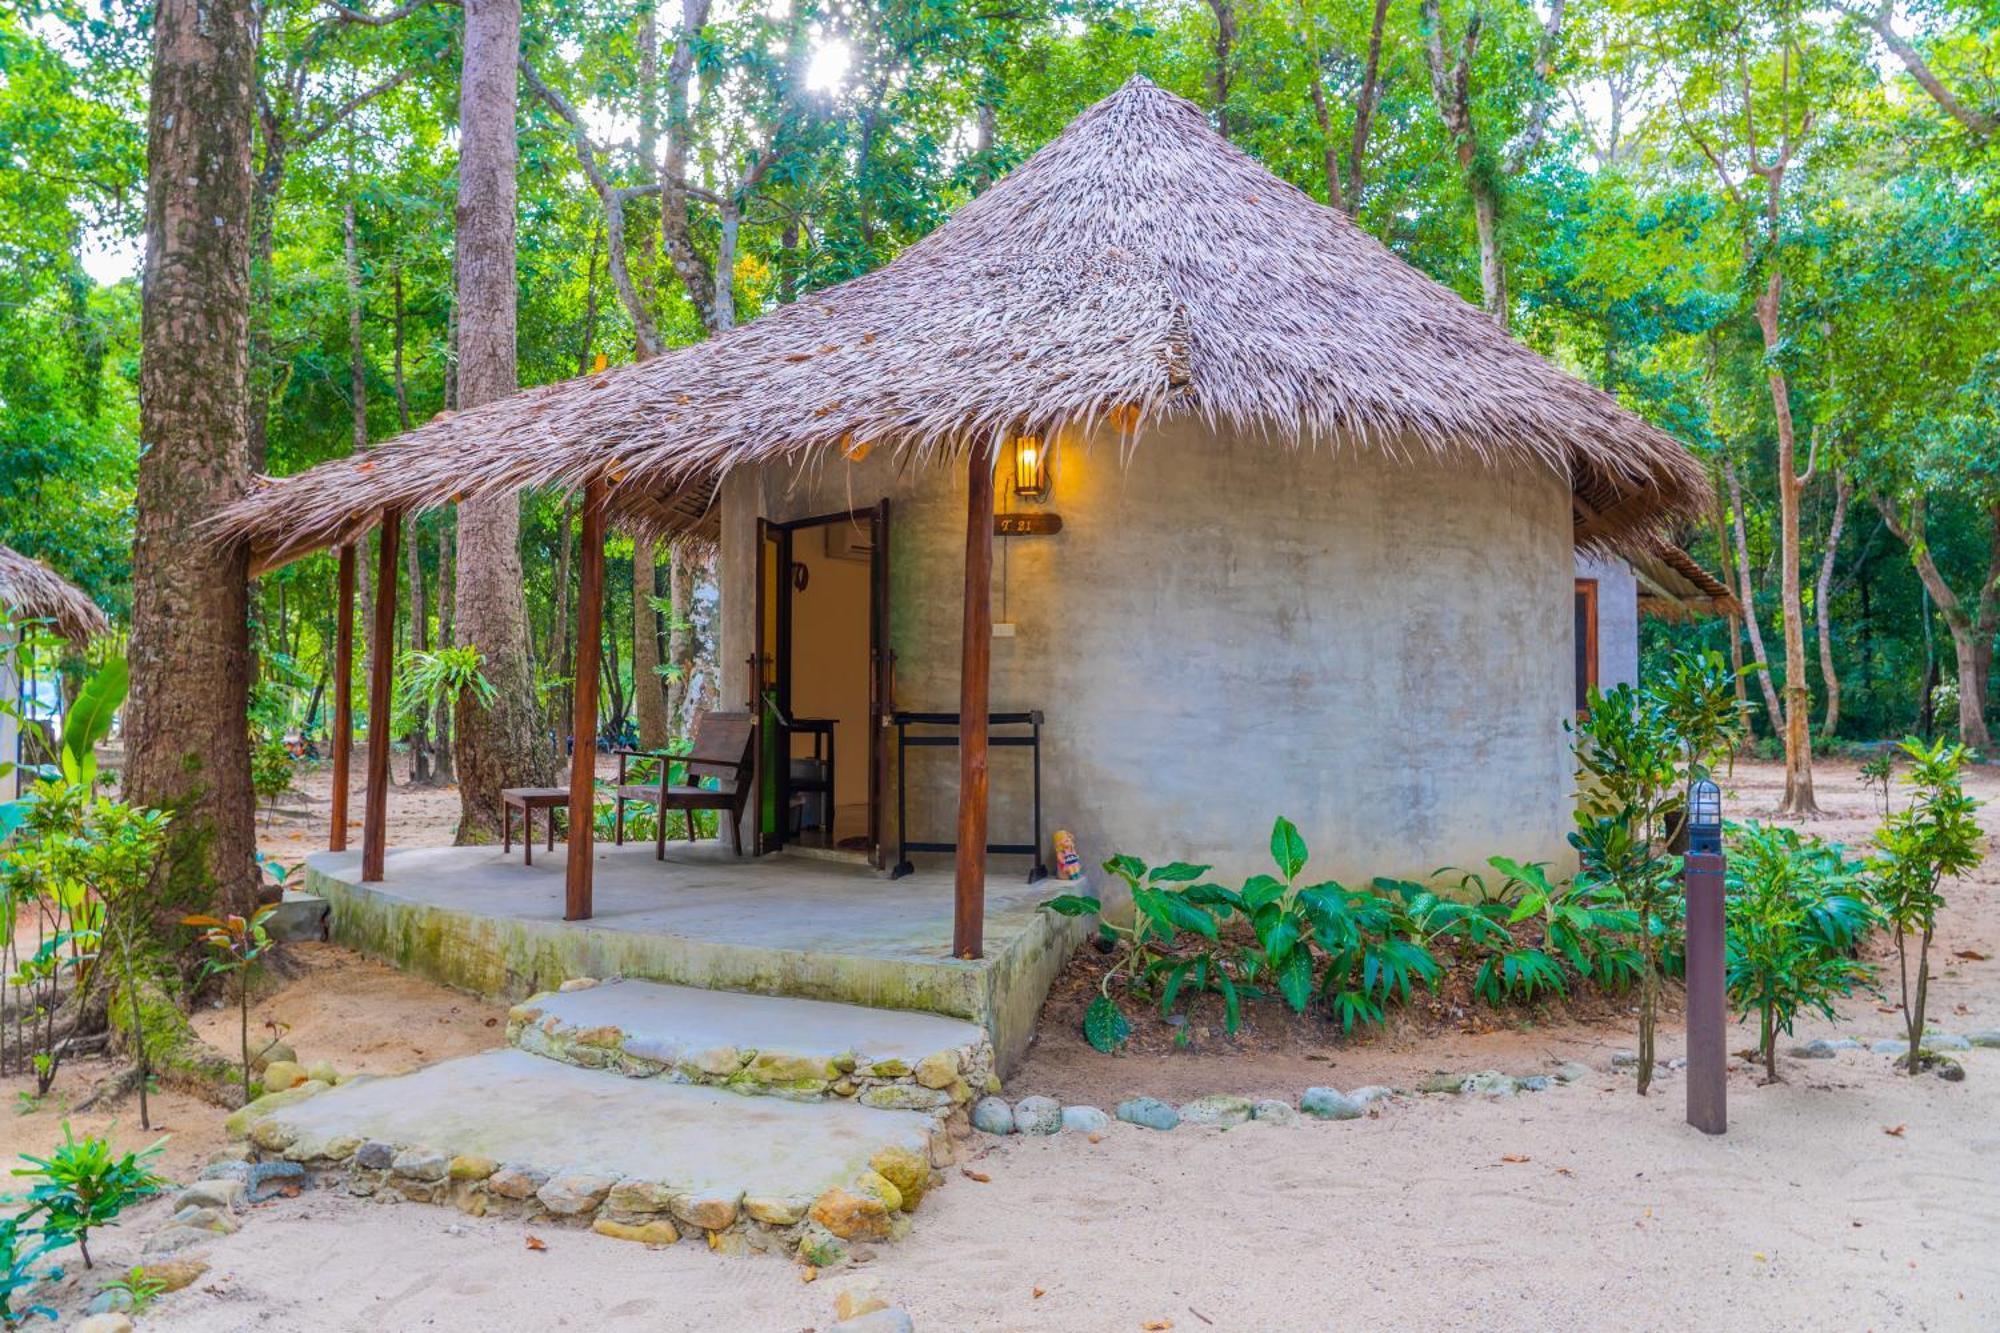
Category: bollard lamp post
[1707,1005]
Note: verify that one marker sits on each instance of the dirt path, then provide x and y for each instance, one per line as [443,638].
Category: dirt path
[1582,1207]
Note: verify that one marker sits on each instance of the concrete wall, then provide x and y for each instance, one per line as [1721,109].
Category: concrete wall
[1228,629]
[1617,618]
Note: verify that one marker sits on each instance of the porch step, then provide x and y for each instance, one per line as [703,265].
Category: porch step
[765,1045]
[637,1159]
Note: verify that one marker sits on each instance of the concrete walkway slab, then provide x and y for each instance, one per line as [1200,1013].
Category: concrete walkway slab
[760,1043]
[651,1156]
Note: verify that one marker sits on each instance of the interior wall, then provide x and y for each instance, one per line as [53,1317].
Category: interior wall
[1229,628]
[830,665]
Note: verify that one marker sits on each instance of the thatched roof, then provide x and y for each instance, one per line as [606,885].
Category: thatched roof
[30,590]
[1674,586]
[1138,267]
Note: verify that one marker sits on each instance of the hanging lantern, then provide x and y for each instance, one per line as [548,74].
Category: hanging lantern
[1031,468]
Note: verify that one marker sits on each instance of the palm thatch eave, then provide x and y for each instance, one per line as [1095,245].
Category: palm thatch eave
[30,590]
[1138,268]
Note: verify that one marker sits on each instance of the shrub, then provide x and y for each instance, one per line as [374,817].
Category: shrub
[22,1249]
[1916,850]
[83,1185]
[1795,911]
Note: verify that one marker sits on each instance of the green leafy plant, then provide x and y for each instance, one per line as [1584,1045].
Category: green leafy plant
[22,1249]
[89,720]
[1876,774]
[440,678]
[235,944]
[1161,910]
[47,873]
[83,1185]
[140,1291]
[1795,912]
[271,771]
[1917,849]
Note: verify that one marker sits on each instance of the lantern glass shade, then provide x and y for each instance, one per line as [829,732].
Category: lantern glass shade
[1705,805]
[1031,468]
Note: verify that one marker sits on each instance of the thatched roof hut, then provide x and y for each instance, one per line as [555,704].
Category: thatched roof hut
[29,589]
[1138,269]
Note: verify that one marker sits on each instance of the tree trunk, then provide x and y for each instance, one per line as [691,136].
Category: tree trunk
[1971,638]
[1843,491]
[681,645]
[1218,74]
[1747,593]
[1798,694]
[1364,111]
[420,731]
[185,731]
[500,744]
[443,770]
[648,699]
[1492,264]
[561,638]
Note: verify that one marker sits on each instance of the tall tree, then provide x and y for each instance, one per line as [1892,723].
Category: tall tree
[186,733]
[1762,100]
[500,744]
[1483,164]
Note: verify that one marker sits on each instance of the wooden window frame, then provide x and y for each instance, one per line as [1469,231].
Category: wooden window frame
[1587,589]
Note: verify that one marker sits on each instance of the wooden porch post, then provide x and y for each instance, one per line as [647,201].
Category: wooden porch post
[968,917]
[343,700]
[381,680]
[583,743]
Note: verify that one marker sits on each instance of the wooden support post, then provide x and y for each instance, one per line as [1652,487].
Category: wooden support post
[381,683]
[583,742]
[968,917]
[343,699]
[1707,1001]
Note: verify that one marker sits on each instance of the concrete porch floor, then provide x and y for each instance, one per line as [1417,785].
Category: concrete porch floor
[477,919]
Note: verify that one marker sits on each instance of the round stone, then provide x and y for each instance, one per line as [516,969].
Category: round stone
[1085,1120]
[1037,1115]
[1489,1083]
[992,1115]
[282,1074]
[1330,1104]
[1217,1109]
[1148,1113]
[1272,1111]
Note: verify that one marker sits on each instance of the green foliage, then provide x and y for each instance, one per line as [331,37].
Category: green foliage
[1875,774]
[1916,850]
[89,720]
[83,1185]
[140,1291]
[271,769]
[1795,912]
[235,943]
[76,869]
[22,1249]
[428,680]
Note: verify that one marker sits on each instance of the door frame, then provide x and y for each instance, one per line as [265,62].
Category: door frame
[772,670]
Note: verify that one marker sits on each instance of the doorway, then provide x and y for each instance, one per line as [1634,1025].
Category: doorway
[823,669]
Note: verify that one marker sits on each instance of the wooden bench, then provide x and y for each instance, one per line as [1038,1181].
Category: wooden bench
[528,800]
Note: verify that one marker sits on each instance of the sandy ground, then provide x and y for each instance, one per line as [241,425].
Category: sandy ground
[1583,1207]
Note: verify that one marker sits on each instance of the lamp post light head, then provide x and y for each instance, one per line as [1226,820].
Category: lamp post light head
[1705,818]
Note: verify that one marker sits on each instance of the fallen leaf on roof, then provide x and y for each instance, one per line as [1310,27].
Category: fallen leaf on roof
[537,1243]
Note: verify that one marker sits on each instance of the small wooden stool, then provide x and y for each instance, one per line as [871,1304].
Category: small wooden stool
[528,800]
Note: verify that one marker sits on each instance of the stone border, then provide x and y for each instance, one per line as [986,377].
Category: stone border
[817,1230]
[937,1084]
